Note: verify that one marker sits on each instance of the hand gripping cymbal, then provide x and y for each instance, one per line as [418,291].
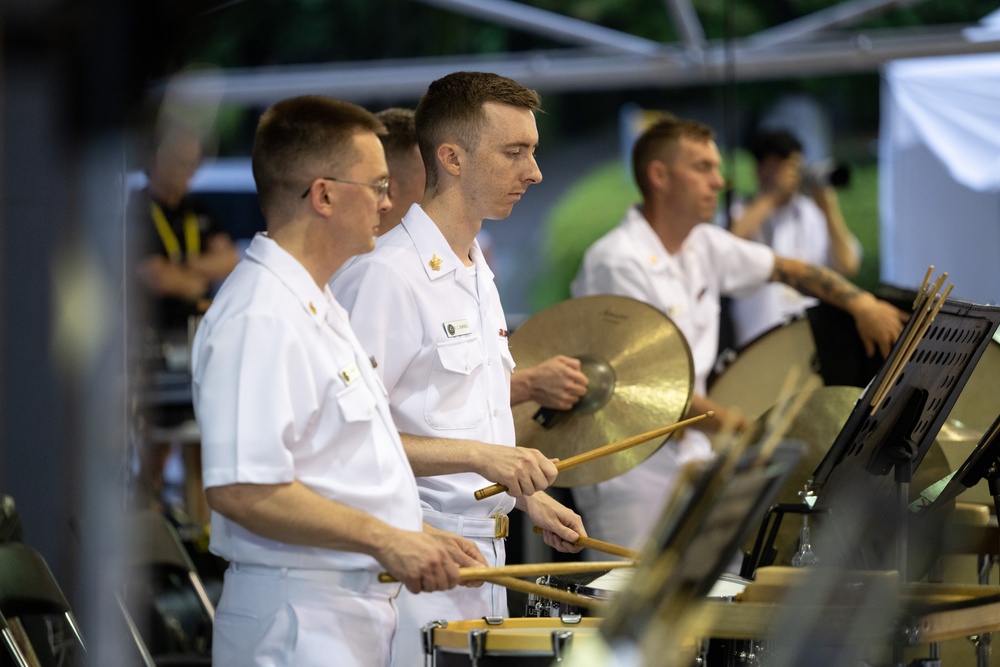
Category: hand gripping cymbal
[640,375]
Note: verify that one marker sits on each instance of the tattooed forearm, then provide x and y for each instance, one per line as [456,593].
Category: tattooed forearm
[824,284]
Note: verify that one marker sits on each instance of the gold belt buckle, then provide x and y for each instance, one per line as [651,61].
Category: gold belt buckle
[501,526]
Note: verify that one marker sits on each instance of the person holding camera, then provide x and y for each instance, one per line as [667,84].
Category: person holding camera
[808,228]
[666,253]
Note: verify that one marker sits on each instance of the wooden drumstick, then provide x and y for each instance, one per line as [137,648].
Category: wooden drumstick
[528,570]
[600,545]
[928,311]
[557,594]
[923,286]
[598,452]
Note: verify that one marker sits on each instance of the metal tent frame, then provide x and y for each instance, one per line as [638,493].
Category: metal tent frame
[600,58]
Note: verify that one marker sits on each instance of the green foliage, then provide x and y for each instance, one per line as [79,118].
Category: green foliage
[859,203]
[588,211]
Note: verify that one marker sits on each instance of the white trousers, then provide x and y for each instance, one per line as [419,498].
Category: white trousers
[458,604]
[276,617]
[625,509]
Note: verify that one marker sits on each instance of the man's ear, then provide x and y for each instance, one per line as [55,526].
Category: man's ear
[657,174]
[450,157]
[321,198]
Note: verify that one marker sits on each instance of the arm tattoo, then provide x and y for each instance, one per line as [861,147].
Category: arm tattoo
[820,282]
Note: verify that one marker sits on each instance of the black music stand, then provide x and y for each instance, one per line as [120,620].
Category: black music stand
[867,508]
[695,540]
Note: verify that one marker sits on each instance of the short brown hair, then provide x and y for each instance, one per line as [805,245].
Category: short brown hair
[452,109]
[401,130]
[299,136]
[661,140]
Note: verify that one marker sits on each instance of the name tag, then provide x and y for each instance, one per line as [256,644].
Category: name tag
[457,328]
[350,373]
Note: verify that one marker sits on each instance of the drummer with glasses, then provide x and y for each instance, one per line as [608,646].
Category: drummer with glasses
[666,253]
[311,492]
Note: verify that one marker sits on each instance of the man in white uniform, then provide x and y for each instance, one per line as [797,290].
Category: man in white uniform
[309,486]
[406,169]
[810,229]
[426,307]
[664,253]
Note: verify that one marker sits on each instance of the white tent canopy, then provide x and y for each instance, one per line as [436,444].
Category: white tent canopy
[939,162]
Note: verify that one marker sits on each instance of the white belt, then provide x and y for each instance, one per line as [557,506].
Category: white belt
[497,526]
[360,581]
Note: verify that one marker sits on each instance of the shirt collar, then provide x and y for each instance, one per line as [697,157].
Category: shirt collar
[436,255]
[647,243]
[266,252]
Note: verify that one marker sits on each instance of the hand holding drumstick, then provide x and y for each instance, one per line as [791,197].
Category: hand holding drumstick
[597,453]
[599,545]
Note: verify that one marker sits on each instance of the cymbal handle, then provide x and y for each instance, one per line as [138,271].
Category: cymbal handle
[490,491]
[546,417]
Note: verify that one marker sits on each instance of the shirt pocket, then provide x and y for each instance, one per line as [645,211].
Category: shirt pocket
[455,396]
[356,403]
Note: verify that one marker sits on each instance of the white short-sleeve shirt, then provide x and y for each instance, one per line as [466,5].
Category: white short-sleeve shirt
[630,260]
[438,335]
[797,230]
[283,391]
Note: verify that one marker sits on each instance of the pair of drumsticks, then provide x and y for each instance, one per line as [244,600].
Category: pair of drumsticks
[506,575]
[925,308]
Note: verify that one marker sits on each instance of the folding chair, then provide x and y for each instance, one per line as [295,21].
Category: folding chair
[157,554]
[27,587]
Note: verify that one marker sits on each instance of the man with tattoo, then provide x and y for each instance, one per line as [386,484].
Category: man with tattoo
[665,253]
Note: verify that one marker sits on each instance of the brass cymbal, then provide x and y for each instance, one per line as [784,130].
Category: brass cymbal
[953,431]
[640,376]
[817,425]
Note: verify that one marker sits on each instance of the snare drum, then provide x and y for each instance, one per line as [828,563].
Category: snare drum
[602,588]
[730,652]
[519,642]
[728,587]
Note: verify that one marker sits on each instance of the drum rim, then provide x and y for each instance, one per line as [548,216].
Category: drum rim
[514,636]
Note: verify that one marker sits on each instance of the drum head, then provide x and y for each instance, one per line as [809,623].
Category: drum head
[753,381]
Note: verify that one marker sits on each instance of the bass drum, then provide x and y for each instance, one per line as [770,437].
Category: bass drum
[753,380]
[518,642]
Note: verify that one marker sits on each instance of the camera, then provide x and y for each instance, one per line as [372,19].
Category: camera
[826,172]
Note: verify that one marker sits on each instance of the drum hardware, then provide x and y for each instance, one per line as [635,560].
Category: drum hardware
[805,557]
[639,370]
[540,606]
[427,639]
[597,588]
[817,425]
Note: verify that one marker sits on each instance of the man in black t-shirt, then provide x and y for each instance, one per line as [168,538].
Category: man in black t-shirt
[182,253]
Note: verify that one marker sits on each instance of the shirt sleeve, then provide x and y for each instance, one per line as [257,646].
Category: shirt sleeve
[254,401]
[599,276]
[743,265]
[384,315]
